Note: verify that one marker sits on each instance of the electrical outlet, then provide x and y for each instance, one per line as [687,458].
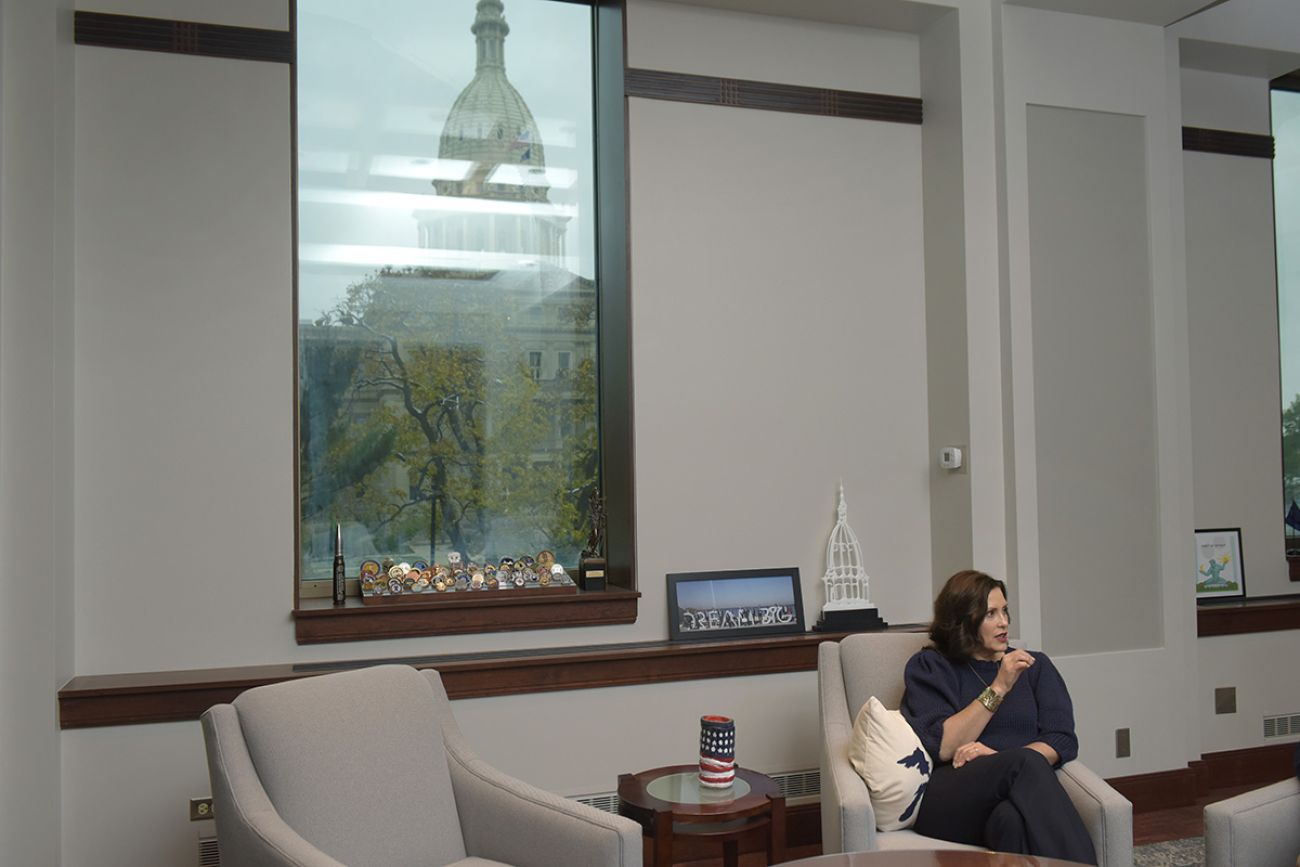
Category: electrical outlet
[1225,699]
[1123,749]
[200,809]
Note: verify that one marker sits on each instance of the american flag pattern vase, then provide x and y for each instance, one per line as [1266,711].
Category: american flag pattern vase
[717,751]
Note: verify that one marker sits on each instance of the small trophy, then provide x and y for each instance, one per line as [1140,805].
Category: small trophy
[592,567]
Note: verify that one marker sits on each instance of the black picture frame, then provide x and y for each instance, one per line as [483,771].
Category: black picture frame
[735,604]
[1220,567]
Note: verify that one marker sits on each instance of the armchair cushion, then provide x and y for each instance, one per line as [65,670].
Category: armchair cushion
[369,768]
[888,755]
[361,742]
[1259,828]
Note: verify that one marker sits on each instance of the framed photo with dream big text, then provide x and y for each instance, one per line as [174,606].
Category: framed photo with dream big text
[735,604]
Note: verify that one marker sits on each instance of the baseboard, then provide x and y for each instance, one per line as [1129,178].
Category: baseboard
[1158,791]
[1256,766]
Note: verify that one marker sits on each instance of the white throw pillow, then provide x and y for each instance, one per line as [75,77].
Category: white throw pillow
[888,755]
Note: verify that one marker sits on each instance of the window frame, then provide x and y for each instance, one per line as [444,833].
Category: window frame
[613,347]
[1290,83]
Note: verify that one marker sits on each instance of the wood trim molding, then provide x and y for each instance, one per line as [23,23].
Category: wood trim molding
[1222,141]
[741,93]
[1255,766]
[1158,791]
[182,37]
[1247,616]
[171,696]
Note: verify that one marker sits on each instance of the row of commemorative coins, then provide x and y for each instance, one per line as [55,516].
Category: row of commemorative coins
[408,578]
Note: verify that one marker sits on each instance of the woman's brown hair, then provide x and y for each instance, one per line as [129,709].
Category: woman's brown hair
[959,610]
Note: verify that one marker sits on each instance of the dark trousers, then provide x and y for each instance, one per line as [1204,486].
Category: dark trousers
[1009,802]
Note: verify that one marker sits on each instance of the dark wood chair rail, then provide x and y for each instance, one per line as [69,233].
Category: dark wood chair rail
[171,696]
[1249,615]
[175,696]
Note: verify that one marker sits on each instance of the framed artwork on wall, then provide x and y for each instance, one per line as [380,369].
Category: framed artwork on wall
[1219,570]
[734,604]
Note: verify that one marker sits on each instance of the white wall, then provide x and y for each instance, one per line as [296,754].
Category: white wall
[1077,63]
[35,231]
[1236,430]
[1232,312]
[948,386]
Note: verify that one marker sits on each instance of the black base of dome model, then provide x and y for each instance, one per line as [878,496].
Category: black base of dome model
[850,620]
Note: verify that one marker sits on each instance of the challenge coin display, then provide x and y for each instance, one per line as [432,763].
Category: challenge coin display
[387,581]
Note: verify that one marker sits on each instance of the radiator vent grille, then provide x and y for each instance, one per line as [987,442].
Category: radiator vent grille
[799,787]
[1282,725]
[605,801]
[800,784]
[209,855]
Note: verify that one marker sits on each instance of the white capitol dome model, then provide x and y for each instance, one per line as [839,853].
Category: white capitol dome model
[848,601]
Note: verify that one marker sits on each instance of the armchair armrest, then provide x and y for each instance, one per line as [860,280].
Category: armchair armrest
[848,821]
[250,830]
[1256,827]
[1106,813]
[508,820]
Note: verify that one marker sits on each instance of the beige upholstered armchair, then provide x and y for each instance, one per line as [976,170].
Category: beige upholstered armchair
[868,664]
[1260,828]
[369,768]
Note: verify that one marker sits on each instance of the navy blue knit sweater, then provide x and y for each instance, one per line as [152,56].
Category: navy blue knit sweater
[1037,708]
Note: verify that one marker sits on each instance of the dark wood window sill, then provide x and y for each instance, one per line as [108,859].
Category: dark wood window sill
[1248,615]
[317,621]
[177,696]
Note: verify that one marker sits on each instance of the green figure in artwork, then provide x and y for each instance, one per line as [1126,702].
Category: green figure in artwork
[1215,568]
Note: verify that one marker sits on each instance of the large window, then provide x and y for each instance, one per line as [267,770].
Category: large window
[1286,203]
[449,294]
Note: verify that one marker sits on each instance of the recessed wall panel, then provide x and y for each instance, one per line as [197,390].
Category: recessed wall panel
[1094,387]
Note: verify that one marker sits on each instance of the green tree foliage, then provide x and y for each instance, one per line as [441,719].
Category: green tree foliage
[439,435]
[1291,451]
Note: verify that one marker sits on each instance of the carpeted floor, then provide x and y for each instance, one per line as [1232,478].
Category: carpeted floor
[1188,852]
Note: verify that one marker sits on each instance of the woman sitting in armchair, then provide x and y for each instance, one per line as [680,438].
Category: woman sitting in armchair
[996,720]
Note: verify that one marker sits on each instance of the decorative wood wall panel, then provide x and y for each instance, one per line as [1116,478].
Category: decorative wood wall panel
[183,37]
[1222,141]
[740,93]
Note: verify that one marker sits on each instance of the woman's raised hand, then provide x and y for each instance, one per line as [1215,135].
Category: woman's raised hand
[1013,665]
[972,750]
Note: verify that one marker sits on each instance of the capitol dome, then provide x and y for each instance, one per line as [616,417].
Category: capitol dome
[491,126]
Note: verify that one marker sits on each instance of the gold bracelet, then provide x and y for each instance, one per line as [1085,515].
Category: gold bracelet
[990,699]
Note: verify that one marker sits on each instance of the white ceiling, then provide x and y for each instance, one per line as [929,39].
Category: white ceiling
[899,15]
[910,16]
[1161,12]
[1236,59]
[1214,32]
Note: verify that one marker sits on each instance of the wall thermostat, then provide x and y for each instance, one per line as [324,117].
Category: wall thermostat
[950,458]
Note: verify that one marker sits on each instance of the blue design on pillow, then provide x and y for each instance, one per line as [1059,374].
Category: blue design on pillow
[921,762]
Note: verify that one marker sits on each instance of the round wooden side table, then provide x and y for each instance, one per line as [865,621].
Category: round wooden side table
[669,803]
